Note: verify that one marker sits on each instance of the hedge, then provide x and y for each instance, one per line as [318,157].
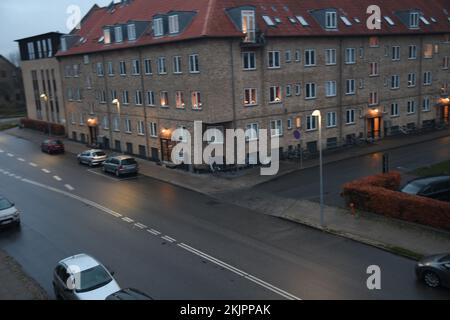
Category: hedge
[378,194]
[56,129]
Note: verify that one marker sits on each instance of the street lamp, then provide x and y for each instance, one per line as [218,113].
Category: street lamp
[318,114]
[44,97]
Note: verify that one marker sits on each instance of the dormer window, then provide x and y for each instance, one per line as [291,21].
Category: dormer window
[330,20]
[158,27]
[131,32]
[118,34]
[248,25]
[107,36]
[414,20]
[174,26]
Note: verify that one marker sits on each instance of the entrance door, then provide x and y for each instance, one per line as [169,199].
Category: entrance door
[374,128]
[93,134]
[445,114]
[166,149]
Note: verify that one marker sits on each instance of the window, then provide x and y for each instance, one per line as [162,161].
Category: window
[298,122]
[127,125]
[69,94]
[395,82]
[150,98]
[153,129]
[138,97]
[102,96]
[428,51]
[141,128]
[394,110]
[275,94]
[162,65]
[196,100]
[177,64]
[350,87]
[274,59]
[250,97]
[298,55]
[193,64]
[414,20]
[125,97]
[131,28]
[173,24]
[288,56]
[164,97]
[105,123]
[374,42]
[107,36]
[298,89]
[350,55]
[136,67]
[110,68]
[330,20]
[118,34]
[411,107]
[426,104]
[276,128]
[123,68]
[289,123]
[373,98]
[411,80]
[331,119]
[373,69]
[395,53]
[148,66]
[248,25]
[82,119]
[310,90]
[311,123]
[445,63]
[31,53]
[252,131]
[249,60]
[100,72]
[288,90]
[116,124]
[310,57]
[361,52]
[412,52]
[350,116]
[268,21]
[158,27]
[113,95]
[427,78]
[330,88]
[330,57]
[179,100]
[72,118]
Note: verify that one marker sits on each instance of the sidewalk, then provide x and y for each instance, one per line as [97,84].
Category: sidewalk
[15,284]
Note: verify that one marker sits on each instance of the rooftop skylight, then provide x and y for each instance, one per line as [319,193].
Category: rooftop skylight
[302,21]
[424,20]
[291,19]
[268,20]
[346,21]
[389,20]
[357,20]
[277,20]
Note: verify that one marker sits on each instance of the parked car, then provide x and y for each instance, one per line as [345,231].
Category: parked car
[431,187]
[9,215]
[82,277]
[121,165]
[129,294]
[434,270]
[52,146]
[92,157]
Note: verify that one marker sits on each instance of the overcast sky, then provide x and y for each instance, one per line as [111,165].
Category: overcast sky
[24,18]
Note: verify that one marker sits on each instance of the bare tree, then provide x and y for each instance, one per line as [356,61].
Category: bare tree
[14,57]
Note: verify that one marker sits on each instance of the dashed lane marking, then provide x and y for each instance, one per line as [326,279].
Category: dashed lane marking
[140,225]
[69,187]
[33,164]
[21,159]
[126,219]
[57,178]
[169,239]
[10,155]
[46,171]
[154,232]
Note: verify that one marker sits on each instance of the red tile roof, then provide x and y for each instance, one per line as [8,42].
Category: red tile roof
[212,20]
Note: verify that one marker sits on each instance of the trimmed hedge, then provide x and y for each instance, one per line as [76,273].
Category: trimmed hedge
[56,129]
[378,194]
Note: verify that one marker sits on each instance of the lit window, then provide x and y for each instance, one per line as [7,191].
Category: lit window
[179,97]
[250,98]
[428,51]
[275,94]
[374,42]
[107,36]
[196,100]
[164,95]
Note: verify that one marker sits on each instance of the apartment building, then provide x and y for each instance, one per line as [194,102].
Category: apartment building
[41,77]
[138,70]
[12,100]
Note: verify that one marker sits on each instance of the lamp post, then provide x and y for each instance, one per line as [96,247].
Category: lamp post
[44,97]
[117,103]
[318,114]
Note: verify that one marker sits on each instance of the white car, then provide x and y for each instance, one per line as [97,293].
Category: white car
[8,213]
[81,277]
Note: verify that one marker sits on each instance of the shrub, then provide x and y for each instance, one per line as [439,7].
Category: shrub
[56,129]
[378,194]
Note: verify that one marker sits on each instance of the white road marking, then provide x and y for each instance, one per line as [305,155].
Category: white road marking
[140,225]
[154,232]
[241,273]
[69,187]
[46,171]
[126,219]
[192,250]
[1,151]
[10,155]
[104,175]
[57,178]
[21,159]
[169,239]
[18,177]
[33,164]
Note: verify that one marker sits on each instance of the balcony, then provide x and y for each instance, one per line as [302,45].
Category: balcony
[253,39]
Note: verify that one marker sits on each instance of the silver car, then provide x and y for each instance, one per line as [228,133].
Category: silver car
[81,277]
[121,165]
[92,157]
[8,213]
[434,270]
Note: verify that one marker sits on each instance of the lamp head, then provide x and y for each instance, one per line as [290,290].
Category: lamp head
[115,101]
[316,113]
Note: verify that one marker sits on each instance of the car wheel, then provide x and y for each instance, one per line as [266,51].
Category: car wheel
[431,279]
[117,174]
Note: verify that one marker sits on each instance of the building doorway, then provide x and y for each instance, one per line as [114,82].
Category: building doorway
[374,128]
[93,135]
[166,149]
[445,114]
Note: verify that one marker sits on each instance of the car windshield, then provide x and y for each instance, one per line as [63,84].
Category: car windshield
[445,259]
[128,162]
[99,154]
[93,279]
[412,188]
[5,204]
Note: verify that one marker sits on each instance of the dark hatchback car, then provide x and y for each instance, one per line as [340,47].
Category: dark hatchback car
[431,187]
[121,165]
[52,146]
[434,270]
[129,294]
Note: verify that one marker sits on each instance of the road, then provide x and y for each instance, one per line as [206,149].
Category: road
[305,184]
[177,244]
